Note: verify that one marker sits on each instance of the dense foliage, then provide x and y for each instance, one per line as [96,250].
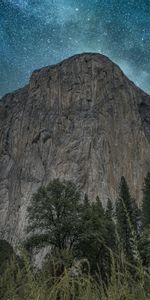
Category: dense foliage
[54,216]
[126,220]
[95,252]
[146,202]
[57,217]
[145,223]
[6,254]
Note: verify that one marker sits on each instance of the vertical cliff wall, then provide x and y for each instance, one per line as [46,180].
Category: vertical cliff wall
[81,120]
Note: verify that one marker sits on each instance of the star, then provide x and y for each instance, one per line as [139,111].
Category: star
[38,33]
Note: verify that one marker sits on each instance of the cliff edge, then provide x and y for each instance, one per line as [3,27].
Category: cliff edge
[81,120]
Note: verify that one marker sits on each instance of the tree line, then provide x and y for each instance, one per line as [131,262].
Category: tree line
[94,252]
[60,218]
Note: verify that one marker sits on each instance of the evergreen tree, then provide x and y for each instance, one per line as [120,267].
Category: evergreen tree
[6,254]
[146,202]
[86,200]
[126,223]
[109,210]
[111,241]
[93,236]
[111,231]
[145,237]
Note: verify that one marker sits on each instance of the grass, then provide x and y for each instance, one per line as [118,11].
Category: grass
[22,282]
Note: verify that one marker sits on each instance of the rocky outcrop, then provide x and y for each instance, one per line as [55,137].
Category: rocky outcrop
[81,120]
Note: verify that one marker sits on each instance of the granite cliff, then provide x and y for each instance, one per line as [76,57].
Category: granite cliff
[81,120]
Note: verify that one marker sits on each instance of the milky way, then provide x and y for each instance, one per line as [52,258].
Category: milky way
[35,33]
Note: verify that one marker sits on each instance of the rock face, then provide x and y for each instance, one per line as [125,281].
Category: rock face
[81,120]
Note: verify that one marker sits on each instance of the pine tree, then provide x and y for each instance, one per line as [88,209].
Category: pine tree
[6,254]
[93,236]
[111,241]
[86,200]
[145,237]
[146,202]
[109,210]
[111,237]
[126,222]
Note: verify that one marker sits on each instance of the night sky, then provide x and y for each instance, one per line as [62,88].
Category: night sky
[35,33]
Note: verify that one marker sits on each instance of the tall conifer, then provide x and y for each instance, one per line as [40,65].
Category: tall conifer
[125,219]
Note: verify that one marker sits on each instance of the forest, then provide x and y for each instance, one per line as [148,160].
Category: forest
[92,252]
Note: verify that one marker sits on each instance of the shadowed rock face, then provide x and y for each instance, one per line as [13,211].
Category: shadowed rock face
[81,120]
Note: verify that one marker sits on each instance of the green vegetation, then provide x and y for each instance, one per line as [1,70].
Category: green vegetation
[6,254]
[146,202]
[145,223]
[24,283]
[95,253]
[54,216]
[126,221]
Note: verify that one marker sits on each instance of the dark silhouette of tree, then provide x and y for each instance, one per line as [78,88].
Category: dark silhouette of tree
[54,216]
[126,220]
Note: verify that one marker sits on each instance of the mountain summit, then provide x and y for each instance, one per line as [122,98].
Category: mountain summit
[81,120]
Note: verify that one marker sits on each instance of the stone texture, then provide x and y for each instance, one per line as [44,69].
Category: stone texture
[81,120]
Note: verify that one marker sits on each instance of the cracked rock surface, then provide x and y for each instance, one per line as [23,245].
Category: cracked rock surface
[81,120]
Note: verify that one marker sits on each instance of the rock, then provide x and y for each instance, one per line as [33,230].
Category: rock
[81,120]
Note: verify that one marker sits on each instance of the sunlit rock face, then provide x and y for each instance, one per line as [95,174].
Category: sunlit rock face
[80,120]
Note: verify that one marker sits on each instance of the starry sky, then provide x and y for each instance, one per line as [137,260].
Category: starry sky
[35,33]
